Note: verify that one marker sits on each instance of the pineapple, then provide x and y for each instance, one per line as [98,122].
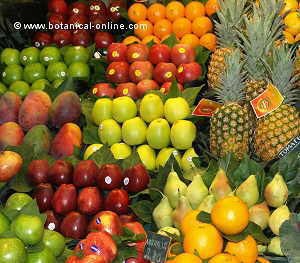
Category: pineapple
[230,16]
[229,130]
[278,128]
[297,66]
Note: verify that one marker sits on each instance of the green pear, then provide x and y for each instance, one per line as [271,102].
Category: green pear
[151,108]
[181,210]
[162,213]
[164,155]
[260,214]
[191,173]
[196,191]
[102,110]
[261,249]
[121,151]
[276,192]
[248,191]
[176,109]
[220,186]
[109,132]
[123,108]
[207,204]
[147,156]
[187,159]
[134,131]
[277,218]
[174,188]
[158,134]
[183,133]
[274,246]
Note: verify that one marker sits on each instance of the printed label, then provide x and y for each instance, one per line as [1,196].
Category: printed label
[138,73]
[111,71]
[135,55]
[181,50]
[115,54]
[169,74]
[95,90]
[125,91]
[292,146]
[206,108]
[180,69]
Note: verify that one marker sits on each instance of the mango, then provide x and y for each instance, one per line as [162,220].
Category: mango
[65,108]
[11,134]
[39,138]
[34,110]
[63,143]
[10,104]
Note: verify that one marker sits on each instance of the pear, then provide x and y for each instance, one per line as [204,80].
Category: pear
[189,174]
[181,210]
[275,246]
[261,249]
[196,191]
[174,188]
[220,186]
[276,192]
[260,214]
[277,218]
[248,191]
[162,213]
[207,204]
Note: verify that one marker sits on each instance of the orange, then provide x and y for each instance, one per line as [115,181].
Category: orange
[202,25]
[224,258]
[194,9]
[149,38]
[230,215]
[211,7]
[288,37]
[292,22]
[156,12]
[137,12]
[205,239]
[182,26]
[297,37]
[289,5]
[186,258]
[245,250]
[162,28]
[143,28]
[130,40]
[209,40]
[190,221]
[190,39]
[174,10]
[262,260]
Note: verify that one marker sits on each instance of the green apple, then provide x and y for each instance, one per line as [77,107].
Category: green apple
[120,151]
[49,55]
[158,134]
[56,83]
[12,250]
[3,88]
[33,72]
[17,201]
[124,108]
[164,155]
[20,87]
[176,109]
[186,161]
[12,73]
[40,84]
[29,55]
[151,108]
[102,110]
[76,54]
[147,156]
[134,131]
[57,70]
[4,223]
[44,256]
[183,133]
[91,149]
[109,132]
[54,241]
[79,70]
[10,56]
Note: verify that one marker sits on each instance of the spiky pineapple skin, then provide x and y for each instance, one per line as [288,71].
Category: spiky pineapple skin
[275,131]
[297,67]
[229,131]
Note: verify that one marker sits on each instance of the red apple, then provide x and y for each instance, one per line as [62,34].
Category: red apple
[85,173]
[43,194]
[97,21]
[60,172]
[77,19]
[98,8]
[53,221]
[165,88]
[114,10]
[10,164]
[137,229]
[140,70]
[89,201]
[57,6]
[103,90]
[116,52]
[81,37]
[74,225]
[117,201]
[62,37]
[109,177]
[103,39]
[93,259]
[188,72]
[136,179]
[41,39]
[182,54]
[78,8]
[65,199]
[37,172]
[126,89]
[118,72]
[107,221]
[137,52]
[55,19]
[159,53]
[144,85]
[73,259]
[164,72]
[139,259]
[127,218]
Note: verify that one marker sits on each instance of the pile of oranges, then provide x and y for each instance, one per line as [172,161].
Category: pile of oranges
[203,241]
[190,24]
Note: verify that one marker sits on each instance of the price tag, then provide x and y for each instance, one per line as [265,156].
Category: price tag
[292,147]
[206,108]
[156,248]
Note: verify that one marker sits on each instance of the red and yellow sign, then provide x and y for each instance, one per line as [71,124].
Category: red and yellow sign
[206,108]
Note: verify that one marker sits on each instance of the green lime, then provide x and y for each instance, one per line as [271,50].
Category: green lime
[12,250]
[12,73]
[34,72]
[57,83]
[3,88]
[54,241]
[10,56]
[49,55]
[17,201]
[79,70]
[63,50]
[29,55]
[40,84]
[20,87]
[44,256]
[76,54]
[57,70]
[4,223]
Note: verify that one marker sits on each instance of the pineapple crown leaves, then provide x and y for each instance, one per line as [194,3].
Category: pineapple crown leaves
[233,79]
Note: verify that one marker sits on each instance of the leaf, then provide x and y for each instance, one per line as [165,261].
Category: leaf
[91,50]
[229,164]
[123,13]
[98,69]
[75,158]
[125,253]
[143,209]
[68,85]
[131,161]
[87,106]
[202,54]
[157,92]
[171,41]
[103,156]
[210,172]
[145,192]
[63,258]
[174,90]
[32,209]
[90,134]
[151,43]
[35,248]
[204,217]
[190,94]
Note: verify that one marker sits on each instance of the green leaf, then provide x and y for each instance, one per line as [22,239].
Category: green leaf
[159,93]
[171,41]
[204,217]
[123,13]
[151,43]
[190,94]
[125,253]
[90,134]
[68,85]
[210,172]
[87,106]
[91,50]
[174,90]
[75,158]
[131,161]
[32,209]
[202,54]
[63,258]
[143,209]
[103,156]
[98,68]
[35,248]
[229,164]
